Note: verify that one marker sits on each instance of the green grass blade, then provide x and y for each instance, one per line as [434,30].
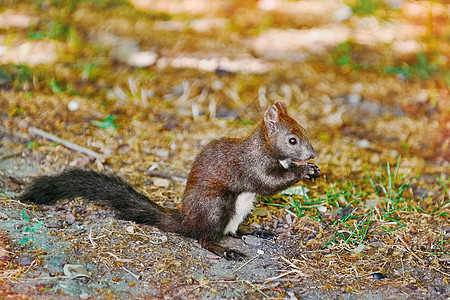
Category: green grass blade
[24,240]
[36,226]
[24,216]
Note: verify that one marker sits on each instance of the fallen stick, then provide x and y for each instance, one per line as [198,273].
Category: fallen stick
[34,131]
[409,249]
[161,174]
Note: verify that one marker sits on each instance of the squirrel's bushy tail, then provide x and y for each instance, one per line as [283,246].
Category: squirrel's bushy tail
[103,188]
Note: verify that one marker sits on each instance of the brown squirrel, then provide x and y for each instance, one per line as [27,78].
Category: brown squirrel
[220,190]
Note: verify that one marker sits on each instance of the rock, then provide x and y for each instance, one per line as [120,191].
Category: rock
[354,99]
[74,271]
[163,153]
[142,59]
[342,14]
[378,275]
[161,182]
[31,53]
[12,19]
[252,240]
[73,105]
[24,260]
[70,219]
[364,143]
[276,43]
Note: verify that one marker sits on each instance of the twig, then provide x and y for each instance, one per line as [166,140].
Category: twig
[277,278]
[161,174]
[131,273]
[409,249]
[265,280]
[250,260]
[118,258]
[94,245]
[446,274]
[403,266]
[35,131]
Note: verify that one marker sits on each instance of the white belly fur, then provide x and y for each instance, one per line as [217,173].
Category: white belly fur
[244,206]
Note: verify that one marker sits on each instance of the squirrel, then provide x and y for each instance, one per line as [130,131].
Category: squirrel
[221,186]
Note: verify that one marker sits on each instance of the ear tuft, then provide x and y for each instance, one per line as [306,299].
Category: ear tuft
[281,106]
[271,120]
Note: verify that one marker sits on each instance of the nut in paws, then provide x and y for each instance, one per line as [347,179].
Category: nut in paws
[313,171]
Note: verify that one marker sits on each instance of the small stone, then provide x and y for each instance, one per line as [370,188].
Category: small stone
[288,218]
[322,208]
[70,218]
[229,277]
[378,275]
[252,240]
[161,182]
[163,153]
[16,20]
[74,271]
[364,143]
[24,260]
[342,14]
[142,59]
[130,229]
[73,105]
[354,99]
[31,53]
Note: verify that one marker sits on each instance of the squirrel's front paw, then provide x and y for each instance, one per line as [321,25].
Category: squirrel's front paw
[312,172]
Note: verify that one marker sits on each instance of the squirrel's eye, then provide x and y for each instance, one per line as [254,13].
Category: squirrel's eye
[292,141]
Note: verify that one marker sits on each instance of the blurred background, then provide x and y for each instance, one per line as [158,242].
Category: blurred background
[147,83]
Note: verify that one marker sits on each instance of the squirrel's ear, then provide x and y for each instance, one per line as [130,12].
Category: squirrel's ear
[271,120]
[281,106]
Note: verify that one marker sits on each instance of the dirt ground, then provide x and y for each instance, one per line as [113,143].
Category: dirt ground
[122,259]
[146,84]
